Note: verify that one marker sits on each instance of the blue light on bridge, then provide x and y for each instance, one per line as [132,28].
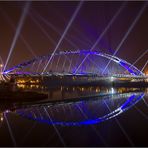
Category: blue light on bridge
[132,100]
[127,67]
[73,69]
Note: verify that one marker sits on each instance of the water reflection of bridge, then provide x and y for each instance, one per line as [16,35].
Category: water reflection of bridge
[80,112]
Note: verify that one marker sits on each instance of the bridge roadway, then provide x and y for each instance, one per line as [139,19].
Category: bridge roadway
[58,79]
[89,75]
[83,78]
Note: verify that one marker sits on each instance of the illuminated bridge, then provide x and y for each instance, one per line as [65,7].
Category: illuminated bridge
[97,66]
[75,63]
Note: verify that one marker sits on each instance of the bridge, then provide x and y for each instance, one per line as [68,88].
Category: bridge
[71,63]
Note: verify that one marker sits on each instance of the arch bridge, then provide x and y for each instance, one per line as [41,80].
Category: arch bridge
[68,63]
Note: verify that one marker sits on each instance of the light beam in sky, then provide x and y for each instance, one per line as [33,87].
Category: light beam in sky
[17,33]
[127,33]
[64,33]
[102,34]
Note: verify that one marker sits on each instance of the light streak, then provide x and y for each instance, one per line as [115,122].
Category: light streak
[18,30]
[144,66]
[127,33]
[140,57]
[53,28]
[141,112]
[40,62]
[63,67]
[56,67]
[21,36]
[122,63]
[69,68]
[102,34]
[1,60]
[28,132]
[121,127]
[42,29]
[9,128]
[1,69]
[138,60]
[94,129]
[64,33]
[130,102]
[62,17]
[57,131]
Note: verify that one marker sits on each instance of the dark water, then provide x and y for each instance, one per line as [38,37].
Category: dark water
[77,116]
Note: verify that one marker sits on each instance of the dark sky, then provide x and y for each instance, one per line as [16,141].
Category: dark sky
[90,22]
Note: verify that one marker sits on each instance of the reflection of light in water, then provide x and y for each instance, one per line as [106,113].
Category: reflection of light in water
[73,88]
[21,86]
[90,88]
[77,118]
[82,89]
[61,88]
[112,91]
[97,90]
[7,111]
[112,79]
[24,86]
[1,117]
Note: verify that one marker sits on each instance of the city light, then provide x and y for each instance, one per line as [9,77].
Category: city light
[112,91]
[112,79]
[1,117]
[1,65]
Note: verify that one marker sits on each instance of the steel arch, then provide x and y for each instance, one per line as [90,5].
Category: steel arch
[126,65]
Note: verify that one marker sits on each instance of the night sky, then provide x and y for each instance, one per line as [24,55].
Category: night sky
[45,22]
